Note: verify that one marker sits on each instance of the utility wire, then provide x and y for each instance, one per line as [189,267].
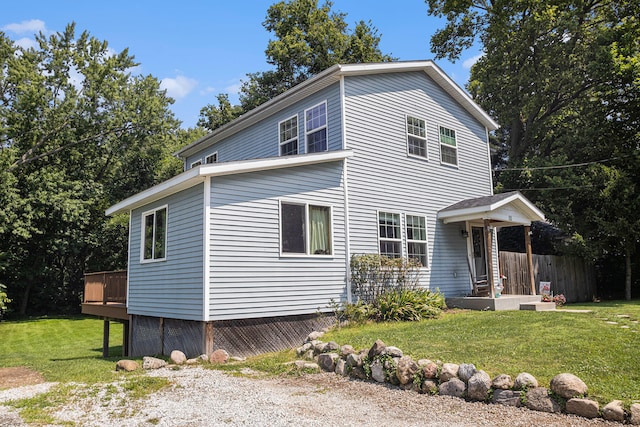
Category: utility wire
[574,165]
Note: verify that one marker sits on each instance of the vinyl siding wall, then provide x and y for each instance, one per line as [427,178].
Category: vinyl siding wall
[249,277]
[171,288]
[261,140]
[382,177]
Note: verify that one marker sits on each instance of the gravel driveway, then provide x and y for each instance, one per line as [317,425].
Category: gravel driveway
[203,397]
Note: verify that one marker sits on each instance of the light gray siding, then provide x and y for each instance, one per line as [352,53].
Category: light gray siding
[381,176]
[249,277]
[171,288]
[261,140]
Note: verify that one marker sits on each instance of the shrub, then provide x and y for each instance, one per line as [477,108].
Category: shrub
[4,300]
[373,274]
[408,305]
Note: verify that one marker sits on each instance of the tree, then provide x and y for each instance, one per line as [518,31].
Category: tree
[308,39]
[78,132]
[562,78]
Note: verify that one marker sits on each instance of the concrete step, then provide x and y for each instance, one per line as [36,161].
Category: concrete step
[538,306]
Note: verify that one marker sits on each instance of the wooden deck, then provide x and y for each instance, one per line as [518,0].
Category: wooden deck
[105,294]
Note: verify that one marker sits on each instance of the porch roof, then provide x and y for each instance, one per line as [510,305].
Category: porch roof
[502,210]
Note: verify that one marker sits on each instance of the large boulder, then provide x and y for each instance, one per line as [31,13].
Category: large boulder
[219,356]
[149,362]
[448,371]
[406,369]
[429,370]
[358,372]
[466,371]
[507,397]
[346,350]
[502,382]
[568,386]
[178,357]
[327,361]
[126,365]
[429,387]
[353,360]
[525,381]
[376,349]
[635,414]
[583,407]
[538,399]
[613,411]
[393,351]
[314,336]
[478,386]
[304,348]
[341,368]
[454,387]
[377,371]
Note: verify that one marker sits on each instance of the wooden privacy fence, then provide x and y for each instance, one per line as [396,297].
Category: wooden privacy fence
[571,276]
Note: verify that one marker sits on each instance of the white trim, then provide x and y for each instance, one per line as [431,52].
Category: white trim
[314,130]
[400,226]
[425,138]
[426,236]
[307,237]
[488,211]
[129,260]
[343,113]
[206,159]
[206,291]
[296,138]
[347,237]
[143,216]
[196,163]
[195,176]
[486,131]
[440,144]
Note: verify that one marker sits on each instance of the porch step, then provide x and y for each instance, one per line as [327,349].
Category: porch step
[538,306]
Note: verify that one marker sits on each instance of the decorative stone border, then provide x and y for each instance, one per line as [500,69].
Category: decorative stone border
[386,364]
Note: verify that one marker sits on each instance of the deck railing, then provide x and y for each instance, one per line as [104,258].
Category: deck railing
[105,287]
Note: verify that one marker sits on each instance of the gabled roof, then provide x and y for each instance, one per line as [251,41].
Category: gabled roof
[198,174]
[332,75]
[503,209]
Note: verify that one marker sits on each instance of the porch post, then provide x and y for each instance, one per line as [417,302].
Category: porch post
[527,245]
[488,239]
[105,338]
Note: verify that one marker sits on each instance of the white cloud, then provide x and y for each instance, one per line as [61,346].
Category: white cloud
[26,43]
[32,26]
[468,63]
[207,90]
[233,88]
[179,87]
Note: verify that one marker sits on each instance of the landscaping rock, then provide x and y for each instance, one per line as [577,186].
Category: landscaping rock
[478,386]
[507,397]
[613,411]
[314,336]
[193,361]
[377,371]
[449,371]
[377,349]
[237,359]
[319,347]
[178,357]
[406,368]
[354,360]
[219,356]
[393,351]
[327,361]
[525,381]
[331,346]
[430,370]
[126,365]
[152,363]
[538,399]
[568,386]
[466,371]
[341,368]
[429,387]
[309,355]
[454,387]
[346,350]
[583,407]
[635,414]
[304,348]
[358,372]
[502,382]
[308,366]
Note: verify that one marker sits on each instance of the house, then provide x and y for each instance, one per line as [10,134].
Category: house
[245,247]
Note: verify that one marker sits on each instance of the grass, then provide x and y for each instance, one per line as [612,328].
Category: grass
[544,344]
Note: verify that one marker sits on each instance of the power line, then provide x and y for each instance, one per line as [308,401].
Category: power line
[572,187]
[573,165]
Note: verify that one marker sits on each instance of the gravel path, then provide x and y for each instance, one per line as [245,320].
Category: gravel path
[203,397]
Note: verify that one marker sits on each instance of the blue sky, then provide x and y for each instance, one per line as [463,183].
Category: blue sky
[201,48]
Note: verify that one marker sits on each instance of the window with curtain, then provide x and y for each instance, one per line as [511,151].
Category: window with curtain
[154,236]
[305,229]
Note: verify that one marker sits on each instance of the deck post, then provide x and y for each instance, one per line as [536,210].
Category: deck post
[488,242]
[125,338]
[527,246]
[105,339]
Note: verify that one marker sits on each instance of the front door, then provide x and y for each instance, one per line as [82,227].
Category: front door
[479,253]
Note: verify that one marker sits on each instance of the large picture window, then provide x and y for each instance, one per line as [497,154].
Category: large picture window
[389,234]
[416,137]
[154,234]
[288,131]
[448,146]
[305,229]
[417,238]
[315,119]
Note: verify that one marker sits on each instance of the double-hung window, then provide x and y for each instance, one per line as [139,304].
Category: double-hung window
[389,234]
[305,229]
[154,234]
[211,158]
[448,146]
[315,119]
[288,136]
[417,238]
[416,137]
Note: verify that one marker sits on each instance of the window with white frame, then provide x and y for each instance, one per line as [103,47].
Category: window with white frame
[417,238]
[154,234]
[196,163]
[211,158]
[315,119]
[448,146]
[389,233]
[288,131]
[416,137]
[305,229]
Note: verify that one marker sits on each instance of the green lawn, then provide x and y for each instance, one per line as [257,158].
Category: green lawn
[544,344]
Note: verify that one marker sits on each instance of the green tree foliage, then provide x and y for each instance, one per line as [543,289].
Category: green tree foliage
[78,132]
[308,39]
[563,80]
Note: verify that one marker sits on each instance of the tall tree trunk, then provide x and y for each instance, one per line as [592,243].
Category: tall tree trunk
[627,278]
[25,299]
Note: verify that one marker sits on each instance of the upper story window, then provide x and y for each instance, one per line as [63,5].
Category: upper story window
[211,158]
[154,235]
[315,119]
[389,234]
[305,229]
[448,146]
[288,131]
[416,137]
[417,238]
[196,163]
